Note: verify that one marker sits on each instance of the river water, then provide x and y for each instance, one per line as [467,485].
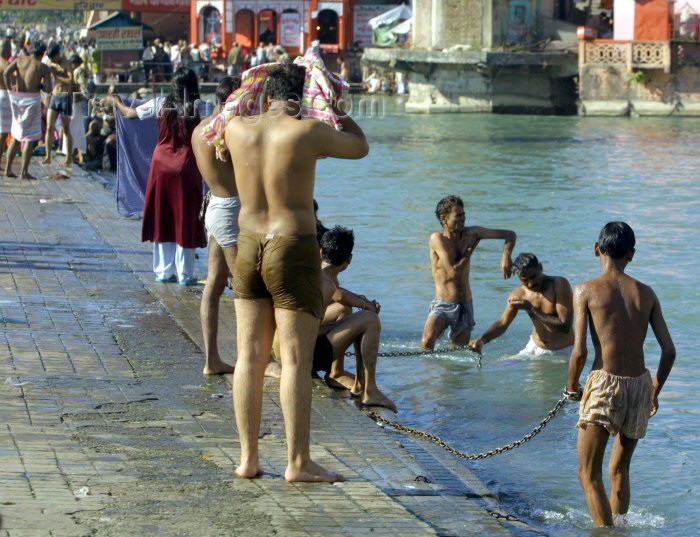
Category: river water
[555,181]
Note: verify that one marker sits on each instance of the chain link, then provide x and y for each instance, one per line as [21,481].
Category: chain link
[444,350]
[437,440]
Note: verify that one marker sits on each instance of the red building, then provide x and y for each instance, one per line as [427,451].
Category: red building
[292,23]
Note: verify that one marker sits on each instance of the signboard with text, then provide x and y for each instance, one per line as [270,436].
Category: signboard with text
[290,30]
[362,32]
[72,5]
[119,38]
[171,6]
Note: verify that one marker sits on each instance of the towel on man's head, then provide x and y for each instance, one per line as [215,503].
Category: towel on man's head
[322,89]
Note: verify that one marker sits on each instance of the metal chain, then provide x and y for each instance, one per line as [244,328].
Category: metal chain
[444,350]
[381,421]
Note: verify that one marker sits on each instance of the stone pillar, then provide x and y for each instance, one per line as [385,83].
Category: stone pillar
[439,24]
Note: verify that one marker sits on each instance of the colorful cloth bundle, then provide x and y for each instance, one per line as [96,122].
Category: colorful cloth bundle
[322,89]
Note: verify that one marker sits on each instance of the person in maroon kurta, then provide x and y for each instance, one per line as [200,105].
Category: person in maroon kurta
[174,190]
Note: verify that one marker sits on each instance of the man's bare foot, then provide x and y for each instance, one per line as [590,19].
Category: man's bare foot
[66,163]
[249,470]
[311,473]
[273,369]
[27,176]
[46,160]
[344,381]
[378,399]
[10,174]
[217,367]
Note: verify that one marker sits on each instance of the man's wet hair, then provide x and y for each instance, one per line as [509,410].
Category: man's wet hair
[38,49]
[444,206]
[286,82]
[525,262]
[616,240]
[226,87]
[54,50]
[337,244]
[76,60]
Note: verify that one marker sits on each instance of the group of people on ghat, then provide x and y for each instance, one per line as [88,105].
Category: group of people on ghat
[27,118]
[294,318]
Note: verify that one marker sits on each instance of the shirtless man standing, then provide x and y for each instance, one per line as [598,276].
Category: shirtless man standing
[277,278]
[221,221]
[548,301]
[620,396]
[361,329]
[61,102]
[5,106]
[450,255]
[29,77]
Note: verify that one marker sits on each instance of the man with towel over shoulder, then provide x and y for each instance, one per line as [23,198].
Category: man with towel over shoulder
[25,78]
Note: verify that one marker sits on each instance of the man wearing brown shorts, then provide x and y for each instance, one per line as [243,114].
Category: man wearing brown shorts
[620,395]
[277,278]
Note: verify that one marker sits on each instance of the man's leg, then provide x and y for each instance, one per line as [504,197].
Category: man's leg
[48,141]
[217,273]
[164,259]
[461,339]
[297,334]
[337,377]
[619,469]
[11,152]
[26,157]
[3,137]
[434,327]
[255,325]
[591,450]
[69,141]
[363,329]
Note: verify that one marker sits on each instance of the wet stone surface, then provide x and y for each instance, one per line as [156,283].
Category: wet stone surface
[108,428]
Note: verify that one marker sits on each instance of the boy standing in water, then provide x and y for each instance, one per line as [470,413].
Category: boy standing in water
[620,396]
[450,255]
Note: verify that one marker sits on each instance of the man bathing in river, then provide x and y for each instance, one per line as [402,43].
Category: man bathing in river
[450,256]
[620,396]
[25,78]
[547,300]
[221,222]
[277,278]
[361,329]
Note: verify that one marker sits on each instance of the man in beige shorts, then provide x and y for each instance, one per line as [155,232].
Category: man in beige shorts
[620,395]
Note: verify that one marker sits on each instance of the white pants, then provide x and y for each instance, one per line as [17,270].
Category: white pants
[170,259]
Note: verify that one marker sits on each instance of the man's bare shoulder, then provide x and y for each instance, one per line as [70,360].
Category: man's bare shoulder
[561,283]
[437,238]
[518,292]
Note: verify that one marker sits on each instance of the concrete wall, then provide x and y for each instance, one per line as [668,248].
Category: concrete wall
[609,91]
[444,23]
[512,89]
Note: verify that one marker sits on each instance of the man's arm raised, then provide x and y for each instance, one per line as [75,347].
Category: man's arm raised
[668,351]
[350,143]
[508,236]
[580,351]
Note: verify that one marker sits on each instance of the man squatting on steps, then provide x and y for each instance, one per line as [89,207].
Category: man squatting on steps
[450,256]
[620,396]
[277,278]
[221,223]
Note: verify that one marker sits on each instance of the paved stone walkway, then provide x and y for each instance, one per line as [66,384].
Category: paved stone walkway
[81,398]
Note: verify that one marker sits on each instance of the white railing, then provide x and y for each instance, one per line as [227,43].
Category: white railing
[632,54]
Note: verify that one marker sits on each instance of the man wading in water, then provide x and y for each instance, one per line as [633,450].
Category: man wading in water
[620,396]
[548,301]
[450,254]
[277,278]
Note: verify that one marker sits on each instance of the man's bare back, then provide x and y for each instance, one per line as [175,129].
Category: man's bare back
[32,76]
[217,174]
